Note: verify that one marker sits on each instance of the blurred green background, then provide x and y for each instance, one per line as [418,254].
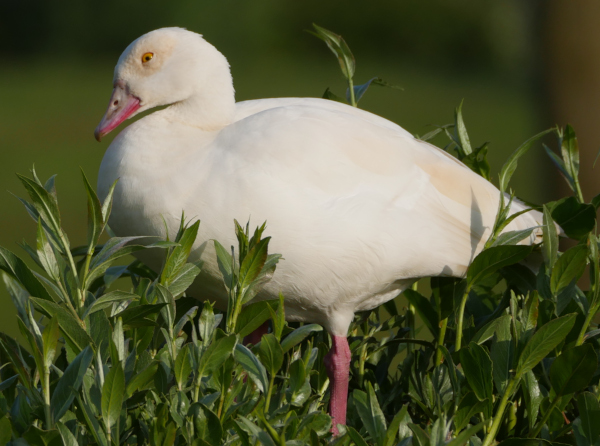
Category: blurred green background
[57,60]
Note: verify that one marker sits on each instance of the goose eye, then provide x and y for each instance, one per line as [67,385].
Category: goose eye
[147,57]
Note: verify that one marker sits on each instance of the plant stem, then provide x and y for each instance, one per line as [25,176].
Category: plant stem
[490,437]
[588,320]
[410,320]
[46,390]
[442,335]
[461,314]
[268,400]
[362,356]
[352,96]
[536,430]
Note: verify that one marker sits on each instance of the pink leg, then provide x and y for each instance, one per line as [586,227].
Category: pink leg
[255,337]
[337,362]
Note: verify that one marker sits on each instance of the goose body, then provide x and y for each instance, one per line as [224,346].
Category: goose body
[358,207]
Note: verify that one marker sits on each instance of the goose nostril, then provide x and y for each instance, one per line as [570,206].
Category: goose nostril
[116,103]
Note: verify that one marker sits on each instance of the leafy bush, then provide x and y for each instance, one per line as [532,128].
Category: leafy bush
[513,356]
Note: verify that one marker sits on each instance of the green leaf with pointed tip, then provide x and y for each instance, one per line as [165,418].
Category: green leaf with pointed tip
[142,379]
[253,316]
[575,218]
[45,253]
[18,270]
[356,437]
[512,237]
[44,202]
[569,267]
[550,237]
[225,262]
[113,392]
[74,334]
[183,366]
[464,437]
[299,335]
[461,131]
[425,310]
[95,221]
[589,414]
[370,413]
[253,263]
[339,47]
[183,278]
[543,342]
[558,162]
[67,436]
[492,259]
[421,438]
[216,354]
[570,151]
[270,353]
[180,254]
[108,299]
[252,366]
[502,353]
[108,201]
[573,369]
[69,383]
[50,341]
[207,424]
[477,366]
[511,164]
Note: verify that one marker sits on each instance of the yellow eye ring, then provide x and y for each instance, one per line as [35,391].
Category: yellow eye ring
[147,57]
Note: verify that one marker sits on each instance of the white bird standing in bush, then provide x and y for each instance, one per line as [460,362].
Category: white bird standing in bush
[359,208]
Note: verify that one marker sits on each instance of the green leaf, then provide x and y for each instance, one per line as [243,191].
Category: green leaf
[137,316]
[477,366]
[74,334]
[69,383]
[339,47]
[253,263]
[225,262]
[207,424]
[95,220]
[589,414]
[50,341]
[502,354]
[356,437]
[543,342]
[360,90]
[512,237]
[44,202]
[45,253]
[183,366]
[569,267]
[421,438]
[5,430]
[270,353]
[464,437]
[113,392]
[570,152]
[511,164]
[550,237]
[299,335]
[575,218]
[461,131]
[180,254]
[328,94]
[370,413]
[18,270]
[168,312]
[183,278]
[425,310]
[558,162]
[469,406]
[252,366]
[216,354]
[533,397]
[142,379]
[67,436]
[394,427]
[492,259]
[253,316]
[573,369]
[108,299]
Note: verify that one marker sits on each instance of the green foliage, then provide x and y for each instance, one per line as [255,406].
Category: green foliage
[513,359]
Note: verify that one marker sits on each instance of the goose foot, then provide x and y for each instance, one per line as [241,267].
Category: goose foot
[337,362]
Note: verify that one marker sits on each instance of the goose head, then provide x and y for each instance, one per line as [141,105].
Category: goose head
[171,66]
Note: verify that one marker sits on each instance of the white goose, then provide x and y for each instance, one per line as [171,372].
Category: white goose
[359,208]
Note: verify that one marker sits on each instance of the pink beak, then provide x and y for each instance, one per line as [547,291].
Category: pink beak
[121,106]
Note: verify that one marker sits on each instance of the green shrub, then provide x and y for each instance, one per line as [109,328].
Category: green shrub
[513,356]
